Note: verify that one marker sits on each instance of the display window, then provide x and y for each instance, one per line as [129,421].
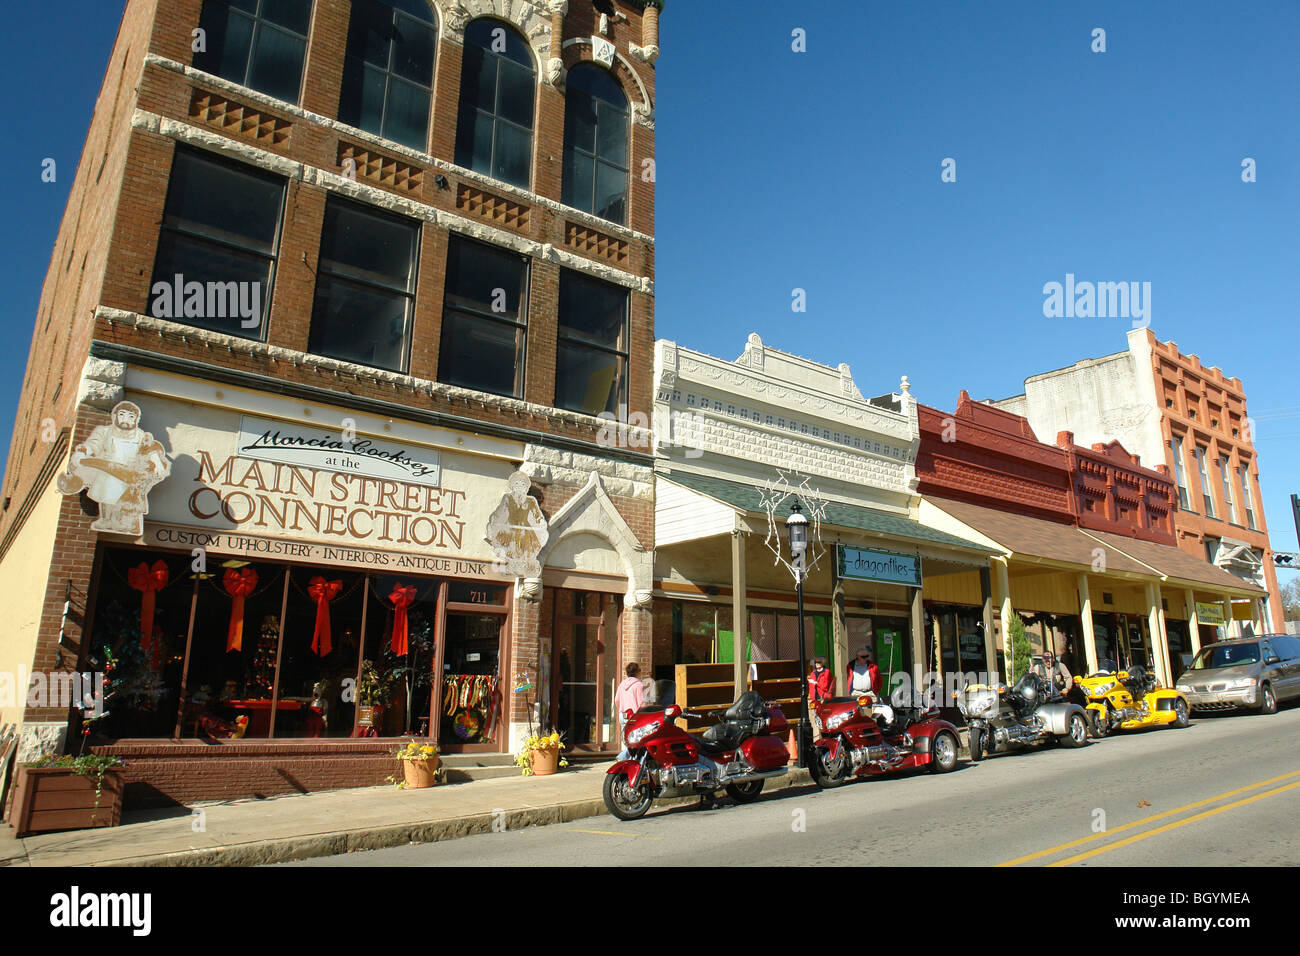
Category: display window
[256,650]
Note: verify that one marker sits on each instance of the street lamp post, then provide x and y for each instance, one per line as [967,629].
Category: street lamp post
[797,526]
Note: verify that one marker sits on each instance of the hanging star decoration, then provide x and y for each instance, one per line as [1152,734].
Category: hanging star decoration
[777,497]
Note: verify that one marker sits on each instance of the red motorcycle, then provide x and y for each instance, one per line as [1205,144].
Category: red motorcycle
[737,754]
[861,737]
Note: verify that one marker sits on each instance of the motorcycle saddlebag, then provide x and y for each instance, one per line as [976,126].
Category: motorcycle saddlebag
[765,753]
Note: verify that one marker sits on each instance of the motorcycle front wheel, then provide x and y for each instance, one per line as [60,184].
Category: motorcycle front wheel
[1100,726]
[626,801]
[827,773]
[975,737]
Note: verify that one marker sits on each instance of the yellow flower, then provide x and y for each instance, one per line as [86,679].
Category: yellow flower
[426,749]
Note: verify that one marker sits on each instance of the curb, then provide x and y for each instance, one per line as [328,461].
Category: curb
[310,846]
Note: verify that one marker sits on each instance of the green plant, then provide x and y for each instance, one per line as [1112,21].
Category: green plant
[534,743]
[83,765]
[1021,651]
[373,689]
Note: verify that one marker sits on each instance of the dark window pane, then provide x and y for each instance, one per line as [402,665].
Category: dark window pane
[478,85]
[598,83]
[226,309]
[611,140]
[417,8]
[249,6]
[611,193]
[587,380]
[479,353]
[224,202]
[362,100]
[593,311]
[293,14]
[276,67]
[360,324]
[584,174]
[484,31]
[408,114]
[568,194]
[515,94]
[369,32]
[580,117]
[474,274]
[513,156]
[228,39]
[413,52]
[364,245]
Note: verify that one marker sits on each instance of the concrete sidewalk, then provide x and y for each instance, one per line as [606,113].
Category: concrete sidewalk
[298,827]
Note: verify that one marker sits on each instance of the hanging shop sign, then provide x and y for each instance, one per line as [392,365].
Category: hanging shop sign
[1209,613]
[340,451]
[889,567]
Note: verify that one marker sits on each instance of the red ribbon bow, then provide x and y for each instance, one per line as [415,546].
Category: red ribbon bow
[322,592]
[149,581]
[239,584]
[402,598]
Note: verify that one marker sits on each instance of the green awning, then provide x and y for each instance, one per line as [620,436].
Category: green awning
[749,498]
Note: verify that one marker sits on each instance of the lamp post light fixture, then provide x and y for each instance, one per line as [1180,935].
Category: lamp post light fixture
[797,527]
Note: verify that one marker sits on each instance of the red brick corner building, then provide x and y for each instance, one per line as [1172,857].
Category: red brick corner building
[313,447]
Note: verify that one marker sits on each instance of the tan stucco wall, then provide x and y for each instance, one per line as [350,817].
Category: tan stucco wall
[25,571]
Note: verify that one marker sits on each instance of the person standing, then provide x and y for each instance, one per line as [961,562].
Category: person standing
[629,696]
[864,675]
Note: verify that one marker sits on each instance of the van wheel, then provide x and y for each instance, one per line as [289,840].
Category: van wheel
[1268,703]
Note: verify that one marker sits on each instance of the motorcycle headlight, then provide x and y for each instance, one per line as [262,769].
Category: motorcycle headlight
[838,719]
[641,733]
[1101,689]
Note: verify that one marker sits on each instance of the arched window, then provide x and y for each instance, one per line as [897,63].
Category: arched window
[498,85]
[388,70]
[596,124]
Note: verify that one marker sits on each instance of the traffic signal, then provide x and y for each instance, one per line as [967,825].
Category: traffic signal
[1283,559]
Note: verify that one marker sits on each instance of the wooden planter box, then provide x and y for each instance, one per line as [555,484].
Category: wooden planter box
[47,799]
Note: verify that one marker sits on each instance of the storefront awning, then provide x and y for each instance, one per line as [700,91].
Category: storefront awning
[1177,564]
[748,498]
[1036,538]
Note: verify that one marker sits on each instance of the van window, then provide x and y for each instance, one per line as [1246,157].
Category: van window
[1226,655]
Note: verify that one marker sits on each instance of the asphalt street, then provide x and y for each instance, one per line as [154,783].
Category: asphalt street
[1223,792]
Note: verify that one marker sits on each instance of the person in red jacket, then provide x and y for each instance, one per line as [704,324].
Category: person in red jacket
[819,681]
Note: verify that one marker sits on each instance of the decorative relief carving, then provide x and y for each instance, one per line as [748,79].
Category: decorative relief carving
[505,212]
[380,169]
[588,240]
[245,121]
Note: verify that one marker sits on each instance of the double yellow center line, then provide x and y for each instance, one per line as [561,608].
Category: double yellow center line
[1127,841]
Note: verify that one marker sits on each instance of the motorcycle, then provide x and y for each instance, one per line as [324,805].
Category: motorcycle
[1130,699]
[737,755]
[999,717]
[862,736]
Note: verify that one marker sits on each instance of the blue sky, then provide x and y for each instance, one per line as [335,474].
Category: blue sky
[821,171]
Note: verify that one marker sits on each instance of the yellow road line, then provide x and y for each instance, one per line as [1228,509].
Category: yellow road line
[1173,826]
[1151,819]
[635,836]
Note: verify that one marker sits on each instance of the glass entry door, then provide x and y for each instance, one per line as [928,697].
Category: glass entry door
[584,675]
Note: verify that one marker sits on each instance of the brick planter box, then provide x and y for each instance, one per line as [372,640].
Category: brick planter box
[47,799]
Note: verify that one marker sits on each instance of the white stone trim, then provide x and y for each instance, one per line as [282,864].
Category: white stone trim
[414,155]
[342,370]
[591,512]
[643,113]
[333,182]
[546,465]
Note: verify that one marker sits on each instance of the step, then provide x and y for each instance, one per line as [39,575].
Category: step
[473,761]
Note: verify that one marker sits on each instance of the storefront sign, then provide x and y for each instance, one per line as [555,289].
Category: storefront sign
[252,546]
[867,564]
[343,451]
[1209,613]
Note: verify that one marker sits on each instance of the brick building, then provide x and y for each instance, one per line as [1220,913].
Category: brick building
[314,398]
[1085,542]
[1171,409]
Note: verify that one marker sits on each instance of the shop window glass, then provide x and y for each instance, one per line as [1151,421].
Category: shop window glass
[221,230]
[596,125]
[314,699]
[1246,499]
[404,686]
[388,70]
[470,712]
[1207,495]
[258,43]
[144,676]
[484,319]
[365,287]
[231,669]
[494,134]
[592,349]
